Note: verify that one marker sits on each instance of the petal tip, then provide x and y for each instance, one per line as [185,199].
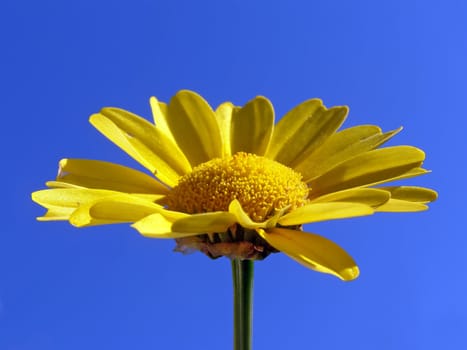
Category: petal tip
[349,273]
[34,196]
[93,118]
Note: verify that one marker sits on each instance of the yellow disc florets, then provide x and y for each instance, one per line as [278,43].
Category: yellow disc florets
[261,185]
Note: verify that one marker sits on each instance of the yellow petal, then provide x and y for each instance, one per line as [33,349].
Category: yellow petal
[290,124]
[302,130]
[398,205]
[205,222]
[224,118]
[252,127]
[158,226]
[342,146]
[369,196]
[367,169]
[313,251]
[144,142]
[61,202]
[315,212]
[242,218]
[119,137]
[412,193]
[59,184]
[156,198]
[194,126]
[69,197]
[114,209]
[55,213]
[408,174]
[109,176]
[159,114]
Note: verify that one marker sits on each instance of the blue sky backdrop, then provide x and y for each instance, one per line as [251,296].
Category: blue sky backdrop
[393,62]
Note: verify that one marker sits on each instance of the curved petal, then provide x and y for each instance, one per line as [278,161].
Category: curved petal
[303,129]
[158,226]
[109,176]
[369,196]
[411,193]
[252,127]
[242,218]
[398,205]
[313,251]
[119,208]
[224,118]
[367,169]
[62,202]
[342,146]
[205,222]
[315,212]
[144,142]
[56,213]
[193,124]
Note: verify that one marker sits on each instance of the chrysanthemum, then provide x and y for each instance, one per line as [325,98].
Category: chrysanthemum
[229,182]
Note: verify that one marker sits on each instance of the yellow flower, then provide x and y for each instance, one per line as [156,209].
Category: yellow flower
[231,183]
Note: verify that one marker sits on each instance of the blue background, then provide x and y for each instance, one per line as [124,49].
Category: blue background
[393,62]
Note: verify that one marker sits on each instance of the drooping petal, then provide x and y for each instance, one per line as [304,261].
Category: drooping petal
[109,176]
[158,226]
[367,169]
[205,222]
[302,130]
[411,193]
[315,212]
[242,218]
[252,127]
[224,118]
[193,124]
[144,142]
[119,208]
[342,146]
[398,205]
[313,251]
[368,196]
[61,202]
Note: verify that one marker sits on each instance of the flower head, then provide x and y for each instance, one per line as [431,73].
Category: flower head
[229,182]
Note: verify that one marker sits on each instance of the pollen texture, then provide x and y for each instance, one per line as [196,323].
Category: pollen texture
[261,185]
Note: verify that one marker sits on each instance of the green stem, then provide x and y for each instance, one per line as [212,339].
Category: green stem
[242,273]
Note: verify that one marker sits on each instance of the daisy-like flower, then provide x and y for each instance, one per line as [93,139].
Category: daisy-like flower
[229,182]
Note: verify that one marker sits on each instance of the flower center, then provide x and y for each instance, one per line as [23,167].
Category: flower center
[262,186]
